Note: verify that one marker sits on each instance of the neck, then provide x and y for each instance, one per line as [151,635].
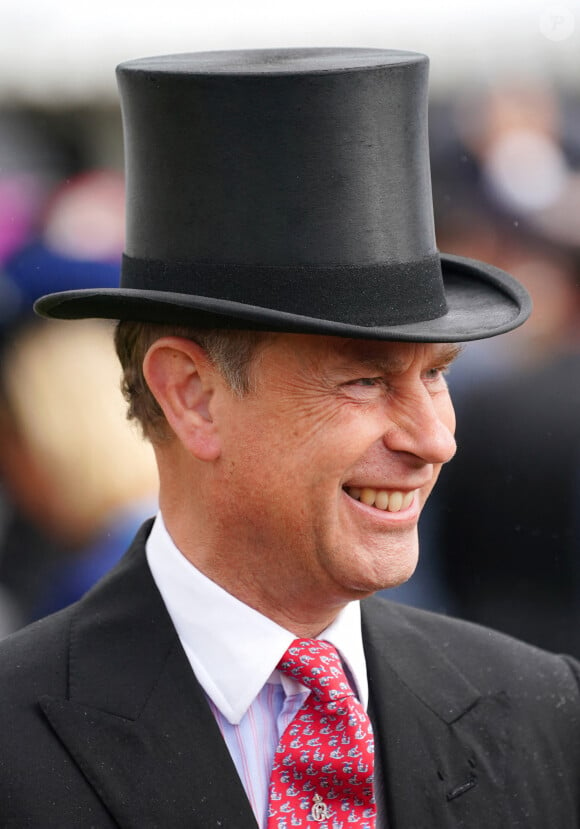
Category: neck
[284,598]
[231,553]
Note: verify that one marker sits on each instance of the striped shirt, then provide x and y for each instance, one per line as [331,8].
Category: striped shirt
[233,651]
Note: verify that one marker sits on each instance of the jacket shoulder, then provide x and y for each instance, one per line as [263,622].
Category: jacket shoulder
[492,661]
[33,661]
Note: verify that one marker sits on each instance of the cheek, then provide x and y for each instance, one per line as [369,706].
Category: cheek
[298,447]
[298,431]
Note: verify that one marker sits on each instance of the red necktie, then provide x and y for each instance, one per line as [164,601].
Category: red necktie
[323,766]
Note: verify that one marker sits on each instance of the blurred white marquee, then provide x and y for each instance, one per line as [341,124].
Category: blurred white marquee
[66,50]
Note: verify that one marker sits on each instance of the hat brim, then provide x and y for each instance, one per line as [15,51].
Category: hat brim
[482,301]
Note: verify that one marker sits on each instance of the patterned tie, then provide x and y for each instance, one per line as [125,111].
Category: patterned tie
[323,766]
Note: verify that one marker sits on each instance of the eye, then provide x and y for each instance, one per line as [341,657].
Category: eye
[364,388]
[366,382]
[434,375]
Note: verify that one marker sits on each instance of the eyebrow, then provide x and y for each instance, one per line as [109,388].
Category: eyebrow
[448,352]
[444,355]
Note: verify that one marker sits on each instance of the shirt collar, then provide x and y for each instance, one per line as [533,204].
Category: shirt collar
[232,648]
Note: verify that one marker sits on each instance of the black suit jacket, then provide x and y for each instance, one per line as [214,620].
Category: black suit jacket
[103,724]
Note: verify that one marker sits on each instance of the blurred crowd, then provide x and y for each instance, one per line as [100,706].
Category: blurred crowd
[500,538]
[76,479]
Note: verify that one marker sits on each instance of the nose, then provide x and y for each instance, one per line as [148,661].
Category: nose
[423,425]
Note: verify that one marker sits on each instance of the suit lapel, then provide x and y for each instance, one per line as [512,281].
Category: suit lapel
[138,726]
[433,729]
[135,720]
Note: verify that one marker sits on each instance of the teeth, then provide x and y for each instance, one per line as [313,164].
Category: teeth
[381,499]
[368,496]
[395,501]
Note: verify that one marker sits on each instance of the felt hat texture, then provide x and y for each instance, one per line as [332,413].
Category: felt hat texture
[289,190]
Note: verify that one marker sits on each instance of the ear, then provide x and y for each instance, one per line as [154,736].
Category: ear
[182,380]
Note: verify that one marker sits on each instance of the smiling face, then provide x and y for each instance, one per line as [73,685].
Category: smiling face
[324,469]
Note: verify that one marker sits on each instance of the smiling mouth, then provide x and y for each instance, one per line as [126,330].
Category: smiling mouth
[386,500]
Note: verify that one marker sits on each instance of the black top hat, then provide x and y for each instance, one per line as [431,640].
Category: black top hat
[289,190]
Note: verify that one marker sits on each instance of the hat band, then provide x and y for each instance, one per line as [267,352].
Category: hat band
[367,295]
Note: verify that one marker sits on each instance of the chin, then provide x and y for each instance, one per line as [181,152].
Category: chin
[389,575]
[392,569]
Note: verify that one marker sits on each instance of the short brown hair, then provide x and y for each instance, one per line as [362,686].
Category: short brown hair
[230,350]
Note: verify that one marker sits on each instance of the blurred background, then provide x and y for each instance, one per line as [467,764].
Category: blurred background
[501,536]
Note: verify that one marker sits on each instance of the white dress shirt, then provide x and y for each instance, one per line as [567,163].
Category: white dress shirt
[233,651]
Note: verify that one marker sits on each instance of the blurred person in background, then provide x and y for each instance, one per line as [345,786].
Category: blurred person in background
[508,505]
[505,175]
[501,533]
[68,457]
[77,479]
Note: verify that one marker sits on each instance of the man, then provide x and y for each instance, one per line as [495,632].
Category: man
[286,322]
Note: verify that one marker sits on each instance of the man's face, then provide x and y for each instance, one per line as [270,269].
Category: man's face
[326,464]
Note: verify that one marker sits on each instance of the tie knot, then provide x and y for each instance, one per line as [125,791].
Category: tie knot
[316,664]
